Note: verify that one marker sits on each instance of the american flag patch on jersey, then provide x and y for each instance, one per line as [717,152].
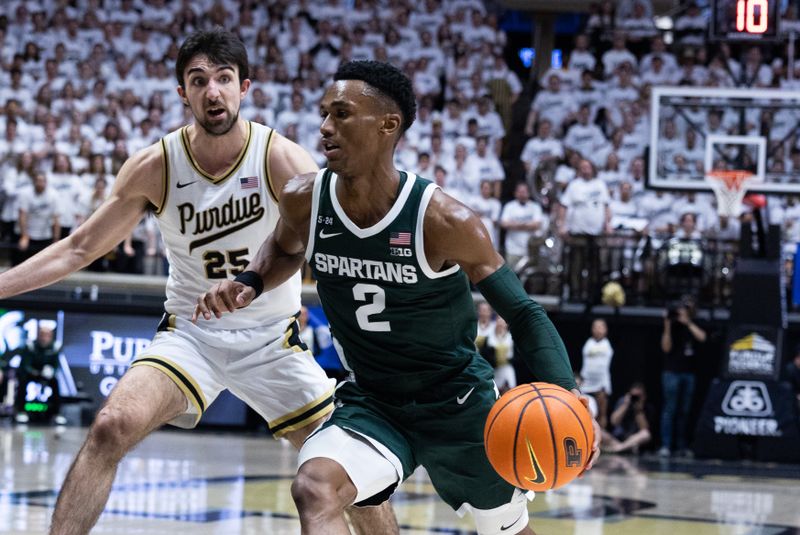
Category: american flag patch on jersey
[399,238]
[247,182]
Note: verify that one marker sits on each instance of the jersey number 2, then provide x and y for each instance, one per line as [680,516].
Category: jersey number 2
[376,305]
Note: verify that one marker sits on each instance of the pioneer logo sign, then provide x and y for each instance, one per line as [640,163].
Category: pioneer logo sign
[748,411]
[752,354]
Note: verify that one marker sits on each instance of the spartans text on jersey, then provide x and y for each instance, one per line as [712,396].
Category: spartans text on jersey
[344,266]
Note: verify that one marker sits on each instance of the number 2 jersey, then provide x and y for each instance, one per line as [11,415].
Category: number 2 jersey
[397,325]
[213,225]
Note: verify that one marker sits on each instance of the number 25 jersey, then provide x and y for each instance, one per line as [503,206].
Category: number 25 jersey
[213,225]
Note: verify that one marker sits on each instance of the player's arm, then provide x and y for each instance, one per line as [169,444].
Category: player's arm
[278,258]
[138,184]
[454,234]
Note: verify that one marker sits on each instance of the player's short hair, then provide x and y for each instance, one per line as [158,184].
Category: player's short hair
[388,80]
[220,46]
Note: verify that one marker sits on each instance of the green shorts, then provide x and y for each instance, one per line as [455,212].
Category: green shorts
[441,430]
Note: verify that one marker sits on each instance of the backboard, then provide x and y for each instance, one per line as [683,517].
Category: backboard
[696,131]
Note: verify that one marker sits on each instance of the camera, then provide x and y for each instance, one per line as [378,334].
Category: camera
[672,312]
[635,398]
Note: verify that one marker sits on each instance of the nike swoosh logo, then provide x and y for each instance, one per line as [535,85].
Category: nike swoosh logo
[185,184]
[511,525]
[540,478]
[461,400]
[322,234]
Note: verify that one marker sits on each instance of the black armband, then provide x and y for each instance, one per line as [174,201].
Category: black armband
[251,279]
[534,334]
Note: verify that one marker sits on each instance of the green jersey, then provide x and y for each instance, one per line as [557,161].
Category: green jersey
[397,324]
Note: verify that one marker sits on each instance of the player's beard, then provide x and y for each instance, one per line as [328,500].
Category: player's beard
[218,129]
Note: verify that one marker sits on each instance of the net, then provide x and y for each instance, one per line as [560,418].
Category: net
[730,187]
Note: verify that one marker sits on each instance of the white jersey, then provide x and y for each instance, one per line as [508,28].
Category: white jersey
[213,226]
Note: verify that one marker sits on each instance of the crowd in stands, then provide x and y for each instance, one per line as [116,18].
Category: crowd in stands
[86,83]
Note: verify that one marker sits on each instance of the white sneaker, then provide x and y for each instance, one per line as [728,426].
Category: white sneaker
[59,420]
[22,418]
[664,452]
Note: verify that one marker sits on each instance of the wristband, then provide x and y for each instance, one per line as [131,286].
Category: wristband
[251,279]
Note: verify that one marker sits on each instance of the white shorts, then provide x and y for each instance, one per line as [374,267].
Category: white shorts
[269,368]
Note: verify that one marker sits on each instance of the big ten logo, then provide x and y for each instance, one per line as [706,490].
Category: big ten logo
[400,251]
[747,398]
[111,352]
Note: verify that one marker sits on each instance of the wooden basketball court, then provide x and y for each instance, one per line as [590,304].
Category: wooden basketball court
[201,483]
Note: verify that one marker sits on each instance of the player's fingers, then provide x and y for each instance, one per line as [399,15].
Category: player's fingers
[201,309]
[227,296]
[245,296]
[213,304]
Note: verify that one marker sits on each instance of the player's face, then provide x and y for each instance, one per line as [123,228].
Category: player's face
[213,93]
[354,127]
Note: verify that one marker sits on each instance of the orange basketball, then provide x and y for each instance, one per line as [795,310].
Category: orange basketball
[538,436]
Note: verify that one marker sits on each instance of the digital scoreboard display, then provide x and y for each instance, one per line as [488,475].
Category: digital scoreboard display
[744,20]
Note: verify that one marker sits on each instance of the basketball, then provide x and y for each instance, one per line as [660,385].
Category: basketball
[538,436]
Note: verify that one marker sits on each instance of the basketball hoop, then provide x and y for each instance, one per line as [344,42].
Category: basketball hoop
[730,187]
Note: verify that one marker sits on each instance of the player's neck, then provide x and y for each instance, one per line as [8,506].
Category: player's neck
[367,198]
[217,153]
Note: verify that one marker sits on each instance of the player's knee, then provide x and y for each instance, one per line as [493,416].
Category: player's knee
[315,496]
[113,432]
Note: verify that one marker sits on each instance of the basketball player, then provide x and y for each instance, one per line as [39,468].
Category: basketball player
[214,186]
[393,256]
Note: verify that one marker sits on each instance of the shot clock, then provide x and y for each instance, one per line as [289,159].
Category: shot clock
[744,20]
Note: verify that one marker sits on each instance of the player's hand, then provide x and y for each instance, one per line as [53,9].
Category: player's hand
[598,434]
[24,241]
[225,296]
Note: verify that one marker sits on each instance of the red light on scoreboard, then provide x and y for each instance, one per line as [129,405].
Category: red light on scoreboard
[744,19]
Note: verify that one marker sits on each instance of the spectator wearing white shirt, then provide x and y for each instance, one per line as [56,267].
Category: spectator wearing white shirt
[596,369]
[669,145]
[639,25]
[522,219]
[552,104]
[489,123]
[542,149]
[658,73]
[658,49]
[461,175]
[611,174]
[488,208]
[585,137]
[68,188]
[581,58]
[690,28]
[487,167]
[588,93]
[38,224]
[583,216]
[656,207]
[617,55]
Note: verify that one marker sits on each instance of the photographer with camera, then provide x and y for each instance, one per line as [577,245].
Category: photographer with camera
[679,343]
[630,422]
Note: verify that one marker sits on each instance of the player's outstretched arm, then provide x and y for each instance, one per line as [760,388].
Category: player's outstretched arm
[279,257]
[138,184]
[454,234]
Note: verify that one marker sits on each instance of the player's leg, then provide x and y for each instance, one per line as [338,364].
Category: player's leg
[365,520]
[282,382]
[341,469]
[144,399]
[447,438]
